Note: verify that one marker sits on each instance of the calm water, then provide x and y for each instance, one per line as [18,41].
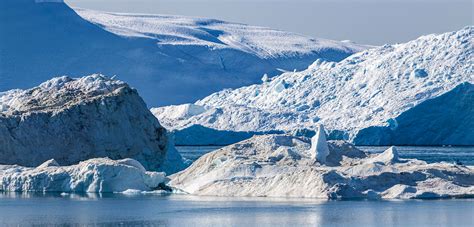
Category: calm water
[464,155]
[182,210]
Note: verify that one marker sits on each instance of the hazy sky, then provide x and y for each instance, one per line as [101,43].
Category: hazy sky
[363,21]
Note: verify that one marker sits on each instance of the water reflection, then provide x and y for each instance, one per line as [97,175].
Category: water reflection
[185,210]
[37,195]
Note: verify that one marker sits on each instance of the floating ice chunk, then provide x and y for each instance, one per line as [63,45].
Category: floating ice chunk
[48,163]
[279,166]
[319,147]
[132,192]
[93,175]
[389,156]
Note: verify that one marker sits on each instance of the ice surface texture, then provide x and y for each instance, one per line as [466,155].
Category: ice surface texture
[393,87]
[93,176]
[283,166]
[72,120]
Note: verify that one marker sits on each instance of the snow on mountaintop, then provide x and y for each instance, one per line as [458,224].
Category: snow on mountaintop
[57,93]
[168,59]
[181,30]
[369,88]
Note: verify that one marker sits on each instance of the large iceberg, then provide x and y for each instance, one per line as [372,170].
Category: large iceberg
[93,176]
[415,93]
[72,120]
[283,166]
[169,59]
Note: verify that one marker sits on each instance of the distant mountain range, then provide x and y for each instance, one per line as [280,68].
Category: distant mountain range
[169,59]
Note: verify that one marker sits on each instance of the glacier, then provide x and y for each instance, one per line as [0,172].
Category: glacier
[99,175]
[72,120]
[169,59]
[401,94]
[284,166]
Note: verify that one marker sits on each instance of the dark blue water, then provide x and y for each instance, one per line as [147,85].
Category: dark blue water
[182,210]
[464,155]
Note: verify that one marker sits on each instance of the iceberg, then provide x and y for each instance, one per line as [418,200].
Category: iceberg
[71,120]
[415,93]
[284,166]
[97,175]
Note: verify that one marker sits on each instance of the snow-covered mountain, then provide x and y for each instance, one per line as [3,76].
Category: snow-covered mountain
[72,120]
[169,59]
[420,92]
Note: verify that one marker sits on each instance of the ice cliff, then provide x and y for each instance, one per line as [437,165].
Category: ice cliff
[415,93]
[283,166]
[72,120]
[93,176]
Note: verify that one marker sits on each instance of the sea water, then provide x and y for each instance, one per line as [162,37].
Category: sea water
[184,210]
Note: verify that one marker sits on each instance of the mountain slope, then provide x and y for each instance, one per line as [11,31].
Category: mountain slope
[368,89]
[168,59]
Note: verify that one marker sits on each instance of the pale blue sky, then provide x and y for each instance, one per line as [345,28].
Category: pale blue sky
[363,21]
